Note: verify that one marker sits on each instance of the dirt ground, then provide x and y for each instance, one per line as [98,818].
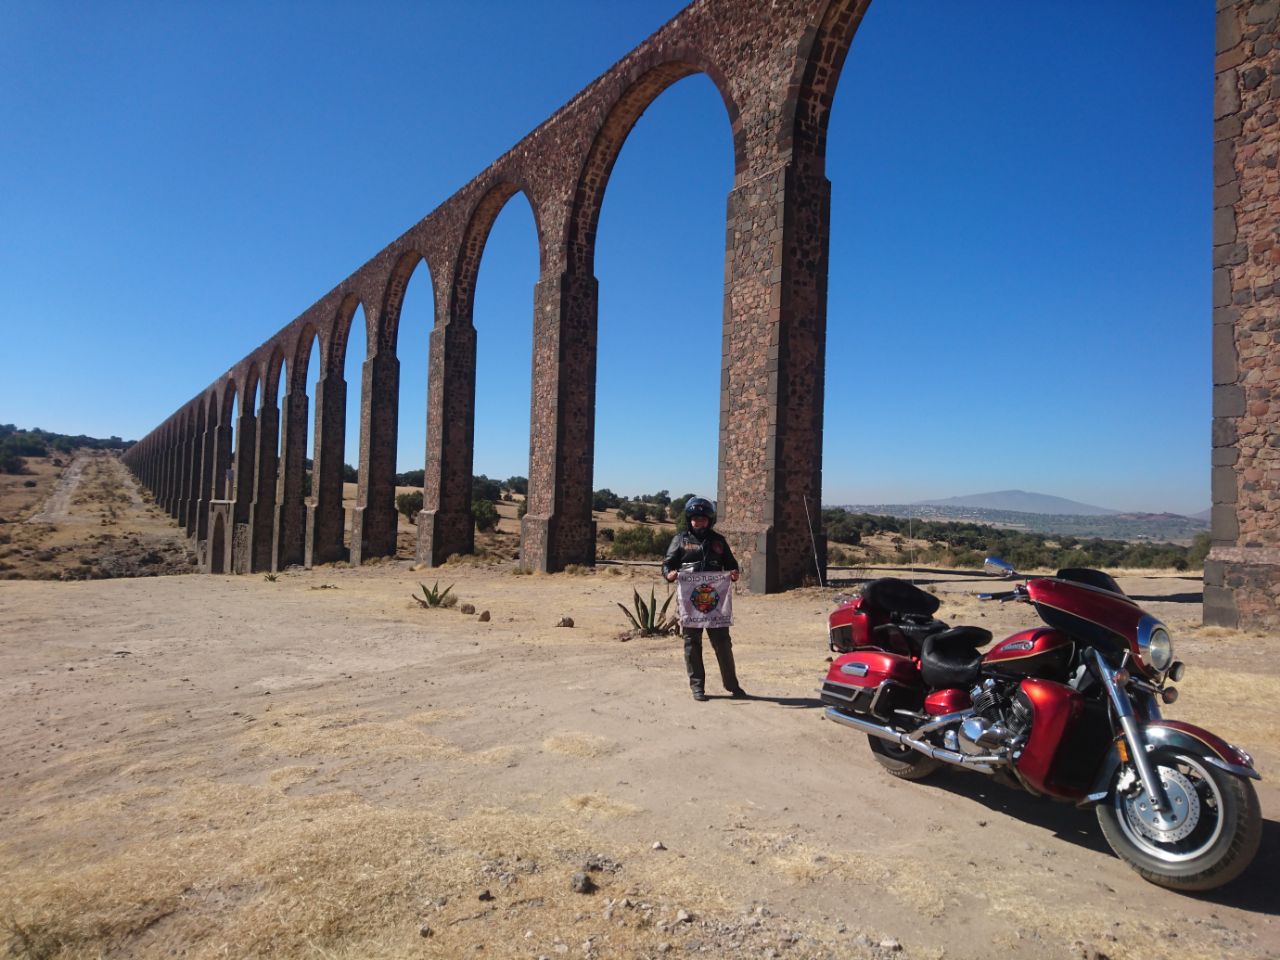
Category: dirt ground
[315,766]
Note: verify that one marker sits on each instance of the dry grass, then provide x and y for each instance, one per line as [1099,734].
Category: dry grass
[220,870]
[581,745]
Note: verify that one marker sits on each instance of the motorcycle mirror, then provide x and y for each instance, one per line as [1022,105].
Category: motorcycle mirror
[999,567]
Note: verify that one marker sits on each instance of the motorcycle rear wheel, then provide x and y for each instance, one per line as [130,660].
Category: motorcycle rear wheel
[902,762]
[1213,837]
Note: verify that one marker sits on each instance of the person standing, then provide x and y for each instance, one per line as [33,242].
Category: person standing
[700,548]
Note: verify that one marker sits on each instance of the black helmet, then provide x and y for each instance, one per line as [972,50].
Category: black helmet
[700,507]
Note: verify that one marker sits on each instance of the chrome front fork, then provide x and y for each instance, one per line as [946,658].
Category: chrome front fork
[1133,734]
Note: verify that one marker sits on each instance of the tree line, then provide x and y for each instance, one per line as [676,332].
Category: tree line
[966,544]
[16,445]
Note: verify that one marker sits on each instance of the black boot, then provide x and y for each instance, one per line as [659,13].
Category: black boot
[693,663]
[723,646]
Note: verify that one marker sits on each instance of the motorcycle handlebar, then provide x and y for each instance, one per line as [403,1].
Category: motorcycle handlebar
[1017,593]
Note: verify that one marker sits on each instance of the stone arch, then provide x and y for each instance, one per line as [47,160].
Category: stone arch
[645,87]
[299,356]
[275,366]
[251,379]
[333,355]
[467,266]
[387,332]
[817,73]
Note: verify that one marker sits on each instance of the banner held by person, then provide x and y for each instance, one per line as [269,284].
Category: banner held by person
[706,599]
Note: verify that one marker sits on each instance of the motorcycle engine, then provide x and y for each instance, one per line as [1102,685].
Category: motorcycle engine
[997,724]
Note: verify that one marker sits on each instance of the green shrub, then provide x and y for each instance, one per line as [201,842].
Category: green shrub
[485,514]
[410,505]
[639,542]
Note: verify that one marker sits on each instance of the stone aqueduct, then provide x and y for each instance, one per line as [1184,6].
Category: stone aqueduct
[776,66]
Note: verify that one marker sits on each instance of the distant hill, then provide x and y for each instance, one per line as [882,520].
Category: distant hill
[1205,515]
[1157,527]
[1021,501]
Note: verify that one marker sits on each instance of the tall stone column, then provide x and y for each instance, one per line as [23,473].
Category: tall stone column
[1242,574]
[206,456]
[262,510]
[446,525]
[325,517]
[221,462]
[246,451]
[558,529]
[185,510]
[291,509]
[373,527]
[774,351]
[159,479]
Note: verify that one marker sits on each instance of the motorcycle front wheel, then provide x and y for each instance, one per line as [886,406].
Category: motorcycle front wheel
[902,762]
[1208,839]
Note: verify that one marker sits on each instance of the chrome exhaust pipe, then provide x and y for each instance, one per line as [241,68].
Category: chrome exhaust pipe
[981,763]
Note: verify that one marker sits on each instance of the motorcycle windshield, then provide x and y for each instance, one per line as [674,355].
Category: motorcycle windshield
[1096,617]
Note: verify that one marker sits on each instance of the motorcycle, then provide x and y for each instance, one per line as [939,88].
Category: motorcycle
[1068,710]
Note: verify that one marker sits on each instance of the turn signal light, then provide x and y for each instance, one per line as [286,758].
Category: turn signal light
[1169,694]
[1176,671]
[1122,678]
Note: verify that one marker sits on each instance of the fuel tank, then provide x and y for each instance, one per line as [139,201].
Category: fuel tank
[1040,652]
[873,682]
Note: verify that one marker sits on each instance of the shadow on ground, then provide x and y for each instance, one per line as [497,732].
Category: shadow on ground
[1253,890]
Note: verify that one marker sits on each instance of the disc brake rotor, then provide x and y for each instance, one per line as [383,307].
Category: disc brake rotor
[1183,815]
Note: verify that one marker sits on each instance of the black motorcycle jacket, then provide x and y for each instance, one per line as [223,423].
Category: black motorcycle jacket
[687,552]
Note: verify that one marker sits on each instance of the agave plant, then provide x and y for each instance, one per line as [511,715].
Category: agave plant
[435,597]
[648,618]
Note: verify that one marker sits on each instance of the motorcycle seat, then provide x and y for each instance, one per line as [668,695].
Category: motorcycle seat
[951,658]
[906,636]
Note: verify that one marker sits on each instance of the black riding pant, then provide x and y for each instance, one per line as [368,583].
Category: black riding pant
[723,647]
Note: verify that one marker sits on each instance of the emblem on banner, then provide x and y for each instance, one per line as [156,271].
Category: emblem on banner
[704,598]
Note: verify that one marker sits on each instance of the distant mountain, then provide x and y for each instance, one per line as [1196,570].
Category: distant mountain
[1020,501]
[1205,515]
[1159,527]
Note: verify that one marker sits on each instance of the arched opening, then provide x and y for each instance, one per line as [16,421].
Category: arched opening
[224,480]
[411,341]
[357,350]
[984,272]
[503,319]
[311,375]
[661,305]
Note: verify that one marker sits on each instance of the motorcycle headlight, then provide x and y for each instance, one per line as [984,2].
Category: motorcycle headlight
[1154,644]
[1160,649]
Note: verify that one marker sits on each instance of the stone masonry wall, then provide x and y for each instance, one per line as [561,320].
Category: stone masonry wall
[1242,576]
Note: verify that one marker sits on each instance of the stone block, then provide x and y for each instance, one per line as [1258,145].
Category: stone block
[1224,456]
[1223,485]
[1262,13]
[1219,608]
[1224,225]
[1226,94]
[1224,524]
[1226,30]
[1225,358]
[1228,401]
[1221,287]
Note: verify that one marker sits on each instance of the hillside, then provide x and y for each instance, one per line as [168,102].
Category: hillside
[1161,527]
[1021,501]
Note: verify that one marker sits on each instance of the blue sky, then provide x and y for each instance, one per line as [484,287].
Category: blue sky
[1020,248]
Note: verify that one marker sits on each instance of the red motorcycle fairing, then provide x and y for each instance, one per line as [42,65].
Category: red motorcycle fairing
[950,700]
[1055,708]
[1105,619]
[871,681]
[849,625]
[1030,653]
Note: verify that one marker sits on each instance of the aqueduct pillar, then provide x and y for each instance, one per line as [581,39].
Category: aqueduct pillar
[1242,574]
